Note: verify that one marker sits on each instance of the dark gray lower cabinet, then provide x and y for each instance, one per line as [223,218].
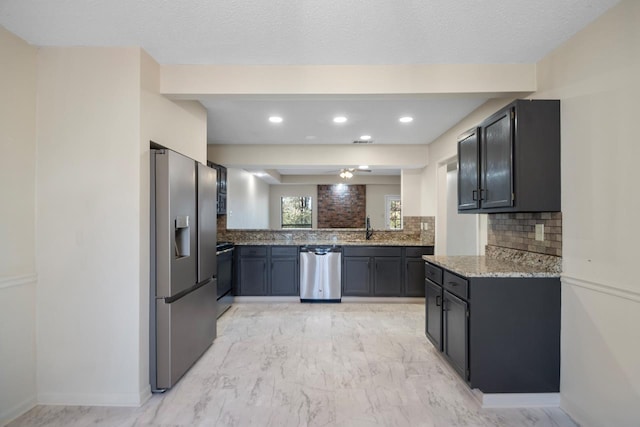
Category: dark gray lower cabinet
[383,271]
[284,276]
[433,315]
[267,270]
[414,270]
[455,332]
[501,334]
[253,276]
[387,276]
[356,276]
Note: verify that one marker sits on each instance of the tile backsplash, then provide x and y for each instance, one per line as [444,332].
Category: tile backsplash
[517,231]
[416,231]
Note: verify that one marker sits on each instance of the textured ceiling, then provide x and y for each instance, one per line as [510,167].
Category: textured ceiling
[314,32]
[308,31]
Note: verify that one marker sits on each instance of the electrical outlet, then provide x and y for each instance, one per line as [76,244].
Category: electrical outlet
[540,232]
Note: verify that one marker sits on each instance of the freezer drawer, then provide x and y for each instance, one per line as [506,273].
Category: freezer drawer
[185,329]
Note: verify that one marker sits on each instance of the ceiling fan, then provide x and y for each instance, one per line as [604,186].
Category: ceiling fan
[347,173]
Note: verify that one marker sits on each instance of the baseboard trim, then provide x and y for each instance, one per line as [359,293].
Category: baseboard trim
[88,399]
[11,281]
[602,288]
[368,300]
[386,300]
[517,400]
[20,409]
[266,299]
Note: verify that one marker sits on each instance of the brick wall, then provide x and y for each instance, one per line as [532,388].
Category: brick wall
[517,231]
[342,206]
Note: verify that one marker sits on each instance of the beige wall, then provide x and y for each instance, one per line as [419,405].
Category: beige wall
[268,156]
[184,80]
[88,226]
[17,226]
[98,108]
[595,75]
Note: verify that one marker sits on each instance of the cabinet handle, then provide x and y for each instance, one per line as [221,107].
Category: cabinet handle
[453,283]
[481,195]
[474,195]
[438,297]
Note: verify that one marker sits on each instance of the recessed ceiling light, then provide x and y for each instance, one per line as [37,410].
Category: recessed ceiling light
[365,137]
[275,119]
[259,174]
[363,167]
[339,119]
[406,119]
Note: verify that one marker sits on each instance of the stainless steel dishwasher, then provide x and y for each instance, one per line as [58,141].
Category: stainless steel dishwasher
[320,274]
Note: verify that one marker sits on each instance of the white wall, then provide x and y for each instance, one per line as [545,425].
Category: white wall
[411,191]
[276,192]
[247,201]
[595,75]
[376,203]
[462,230]
[17,226]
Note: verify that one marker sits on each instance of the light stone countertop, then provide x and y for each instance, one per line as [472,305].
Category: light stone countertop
[285,242]
[481,266]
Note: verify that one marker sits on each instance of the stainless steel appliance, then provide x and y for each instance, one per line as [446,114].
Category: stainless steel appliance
[183,265]
[320,274]
[224,259]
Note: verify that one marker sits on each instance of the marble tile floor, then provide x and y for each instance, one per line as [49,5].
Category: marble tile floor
[291,364]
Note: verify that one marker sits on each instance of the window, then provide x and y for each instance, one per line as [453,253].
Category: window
[295,212]
[393,216]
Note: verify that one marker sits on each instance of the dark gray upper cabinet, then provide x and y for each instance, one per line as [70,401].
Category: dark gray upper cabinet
[517,160]
[468,170]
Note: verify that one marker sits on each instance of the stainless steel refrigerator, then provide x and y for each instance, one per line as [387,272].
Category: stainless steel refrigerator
[183,265]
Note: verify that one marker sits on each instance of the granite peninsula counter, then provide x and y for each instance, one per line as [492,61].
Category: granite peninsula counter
[483,266]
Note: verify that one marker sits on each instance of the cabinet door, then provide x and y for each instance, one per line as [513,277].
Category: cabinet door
[356,276]
[455,333]
[468,170]
[284,276]
[253,276]
[433,318]
[387,276]
[414,277]
[497,160]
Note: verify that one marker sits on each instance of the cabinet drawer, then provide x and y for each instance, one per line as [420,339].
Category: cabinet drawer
[456,285]
[284,251]
[418,251]
[253,251]
[433,273]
